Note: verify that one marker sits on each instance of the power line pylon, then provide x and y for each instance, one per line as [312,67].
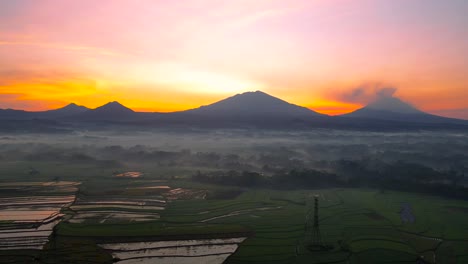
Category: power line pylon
[314,237]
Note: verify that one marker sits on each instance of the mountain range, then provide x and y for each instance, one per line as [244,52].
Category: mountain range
[393,109]
[250,110]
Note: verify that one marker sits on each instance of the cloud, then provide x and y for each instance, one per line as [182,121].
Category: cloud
[364,93]
[386,91]
[75,48]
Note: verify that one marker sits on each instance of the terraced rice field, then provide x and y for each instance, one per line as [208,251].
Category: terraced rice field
[140,202]
[26,222]
[124,222]
[214,251]
[117,210]
[130,174]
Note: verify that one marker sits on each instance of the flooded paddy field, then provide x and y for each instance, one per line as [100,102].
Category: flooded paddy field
[214,251]
[129,174]
[138,201]
[176,221]
[27,222]
[359,224]
[117,209]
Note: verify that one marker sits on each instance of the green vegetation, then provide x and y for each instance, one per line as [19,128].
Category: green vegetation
[264,193]
[360,224]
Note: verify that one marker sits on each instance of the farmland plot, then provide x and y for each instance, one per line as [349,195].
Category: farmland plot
[28,220]
[214,251]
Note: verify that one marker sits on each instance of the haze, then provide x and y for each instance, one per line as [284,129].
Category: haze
[233,131]
[329,56]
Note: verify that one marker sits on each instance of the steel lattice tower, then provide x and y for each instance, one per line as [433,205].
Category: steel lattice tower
[316,236]
[313,239]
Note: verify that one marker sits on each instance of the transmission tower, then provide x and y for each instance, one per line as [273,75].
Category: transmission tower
[314,237]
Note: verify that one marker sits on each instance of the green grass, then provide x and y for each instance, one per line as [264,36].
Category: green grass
[362,225]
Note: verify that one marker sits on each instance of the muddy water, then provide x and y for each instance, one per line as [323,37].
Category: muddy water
[105,216]
[22,213]
[30,238]
[175,243]
[115,209]
[130,174]
[214,251]
[215,259]
[131,207]
[151,187]
[25,215]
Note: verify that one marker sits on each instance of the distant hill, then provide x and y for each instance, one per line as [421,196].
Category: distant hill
[113,111]
[14,114]
[112,108]
[68,110]
[246,110]
[251,109]
[254,104]
[393,109]
[392,104]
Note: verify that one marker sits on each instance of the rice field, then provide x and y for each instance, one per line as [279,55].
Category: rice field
[27,222]
[214,251]
[176,221]
[116,210]
[129,174]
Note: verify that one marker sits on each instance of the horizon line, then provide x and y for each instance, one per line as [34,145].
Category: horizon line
[176,111]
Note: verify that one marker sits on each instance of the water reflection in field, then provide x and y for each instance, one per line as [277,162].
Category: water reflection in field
[29,220]
[214,251]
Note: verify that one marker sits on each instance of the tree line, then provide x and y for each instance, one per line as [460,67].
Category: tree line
[399,176]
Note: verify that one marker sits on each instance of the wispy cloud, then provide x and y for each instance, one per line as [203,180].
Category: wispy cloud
[363,93]
[76,48]
[297,47]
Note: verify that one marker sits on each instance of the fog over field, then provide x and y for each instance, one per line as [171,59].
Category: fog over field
[229,196]
[261,151]
[233,132]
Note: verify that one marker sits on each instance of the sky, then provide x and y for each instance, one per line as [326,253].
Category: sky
[332,56]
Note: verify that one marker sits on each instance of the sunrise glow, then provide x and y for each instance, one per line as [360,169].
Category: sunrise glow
[176,55]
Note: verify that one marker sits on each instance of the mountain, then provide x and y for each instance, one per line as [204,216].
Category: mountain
[113,111]
[247,110]
[12,114]
[392,104]
[254,104]
[393,109]
[69,110]
[112,108]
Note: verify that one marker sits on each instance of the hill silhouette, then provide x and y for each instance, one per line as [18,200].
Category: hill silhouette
[66,111]
[249,110]
[254,104]
[394,109]
[112,111]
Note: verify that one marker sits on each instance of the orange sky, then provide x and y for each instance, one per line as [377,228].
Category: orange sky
[154,55]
